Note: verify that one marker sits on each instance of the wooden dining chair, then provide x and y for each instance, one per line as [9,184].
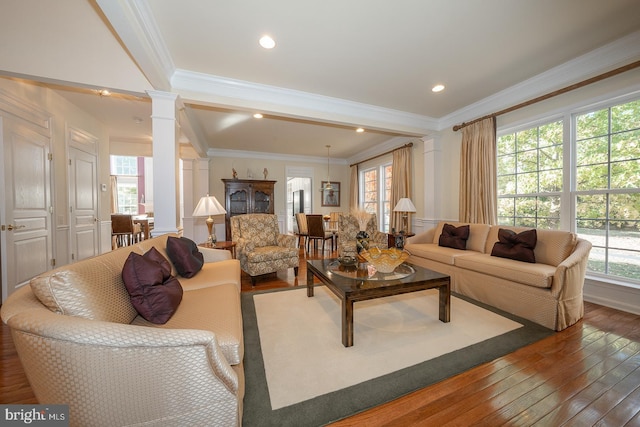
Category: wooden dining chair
[315,225]
[303,230]
[123,231]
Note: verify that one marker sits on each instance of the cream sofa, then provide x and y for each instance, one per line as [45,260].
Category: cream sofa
[86,346]
[548,292]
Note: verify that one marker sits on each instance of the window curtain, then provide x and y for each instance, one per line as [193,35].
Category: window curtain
[400,183]
[113,180]
[354,190]
[478,181]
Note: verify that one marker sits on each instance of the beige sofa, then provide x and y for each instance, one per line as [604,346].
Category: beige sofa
[86,346]
[548,292]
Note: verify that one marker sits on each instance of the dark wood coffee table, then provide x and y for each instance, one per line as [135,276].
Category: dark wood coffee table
[351,285]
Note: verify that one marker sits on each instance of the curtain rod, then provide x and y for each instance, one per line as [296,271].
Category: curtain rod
[552,94]
[410,144]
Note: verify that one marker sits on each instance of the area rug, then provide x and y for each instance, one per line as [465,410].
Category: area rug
[298,373]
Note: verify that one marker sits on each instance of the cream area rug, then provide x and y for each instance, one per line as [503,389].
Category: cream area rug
[302,343]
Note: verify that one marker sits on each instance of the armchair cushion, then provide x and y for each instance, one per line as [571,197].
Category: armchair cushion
[261,231]
[153,296]
[185,255]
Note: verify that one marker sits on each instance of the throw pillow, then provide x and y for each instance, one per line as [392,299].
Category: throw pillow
[454,237]
[155,298]
[184,255]
[517,246]
[154,255]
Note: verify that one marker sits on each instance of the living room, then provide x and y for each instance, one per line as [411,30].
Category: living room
[30,88]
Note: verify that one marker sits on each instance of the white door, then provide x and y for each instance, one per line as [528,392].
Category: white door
[83,197]
[25,217]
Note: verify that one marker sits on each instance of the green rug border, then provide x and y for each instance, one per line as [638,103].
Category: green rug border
[343,403]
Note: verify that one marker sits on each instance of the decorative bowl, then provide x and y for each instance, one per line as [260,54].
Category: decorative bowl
[385,260]
[348,260]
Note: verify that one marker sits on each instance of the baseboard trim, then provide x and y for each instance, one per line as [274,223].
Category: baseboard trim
[620,297]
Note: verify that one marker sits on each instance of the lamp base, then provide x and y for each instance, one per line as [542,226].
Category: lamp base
[212,233]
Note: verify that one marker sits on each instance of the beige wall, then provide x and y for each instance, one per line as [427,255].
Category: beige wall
[221,168]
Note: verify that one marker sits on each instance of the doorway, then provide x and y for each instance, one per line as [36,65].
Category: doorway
[299,187]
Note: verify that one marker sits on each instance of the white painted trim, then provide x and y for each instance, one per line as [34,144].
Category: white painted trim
[606,58]
[134,23]
[619,296]
[226,92]
[217,152]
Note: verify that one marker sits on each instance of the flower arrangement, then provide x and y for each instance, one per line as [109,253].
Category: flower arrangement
[362,217]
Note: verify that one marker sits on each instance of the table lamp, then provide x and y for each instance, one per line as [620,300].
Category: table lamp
[405,206]
[208,206]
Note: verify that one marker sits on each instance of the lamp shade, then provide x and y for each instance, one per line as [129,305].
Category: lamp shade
[207,206]
[404,205]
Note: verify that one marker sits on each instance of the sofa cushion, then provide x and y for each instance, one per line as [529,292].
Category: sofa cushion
[552,247]
[538,275]
[215,309]
[91,288]
[435,252]
[454,237]
[184,255]
[153,296]
[516,246]
[477,235]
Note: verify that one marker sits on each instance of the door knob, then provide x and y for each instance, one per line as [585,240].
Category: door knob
[14,227]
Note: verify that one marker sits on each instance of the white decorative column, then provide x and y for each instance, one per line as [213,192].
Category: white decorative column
[432,157]
[166,156]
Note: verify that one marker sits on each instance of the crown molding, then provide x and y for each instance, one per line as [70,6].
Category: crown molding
[608,57]
[378,149]
[232,93]
[217,152]
[134,24]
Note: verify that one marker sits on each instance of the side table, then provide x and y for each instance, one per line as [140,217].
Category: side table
[391,239]
[228,245]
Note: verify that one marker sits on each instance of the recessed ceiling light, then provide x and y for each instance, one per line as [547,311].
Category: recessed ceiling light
[359,130]
[267,42]
[437,88]
[258,115]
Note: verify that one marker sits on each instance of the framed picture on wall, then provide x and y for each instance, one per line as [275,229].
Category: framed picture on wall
[331,197]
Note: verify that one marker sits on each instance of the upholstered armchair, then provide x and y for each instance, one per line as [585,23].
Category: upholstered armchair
[348,227]
[260,247]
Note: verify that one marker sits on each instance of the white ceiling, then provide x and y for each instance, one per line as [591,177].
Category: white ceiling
[337,64]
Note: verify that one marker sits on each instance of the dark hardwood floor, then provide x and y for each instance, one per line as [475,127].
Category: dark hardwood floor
[586,375]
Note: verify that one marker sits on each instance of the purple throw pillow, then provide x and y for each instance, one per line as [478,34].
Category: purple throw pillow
[154,255]
[155,298]
[184,255]
[516,246]
[454,237]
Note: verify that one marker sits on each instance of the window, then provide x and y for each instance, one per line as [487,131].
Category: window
[607,188]
[530,177]
[603,201]
[375,188]
[129,172]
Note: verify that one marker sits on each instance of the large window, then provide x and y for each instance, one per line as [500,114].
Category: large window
[603,201]
[530,176]
[375,190]
[607,187]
